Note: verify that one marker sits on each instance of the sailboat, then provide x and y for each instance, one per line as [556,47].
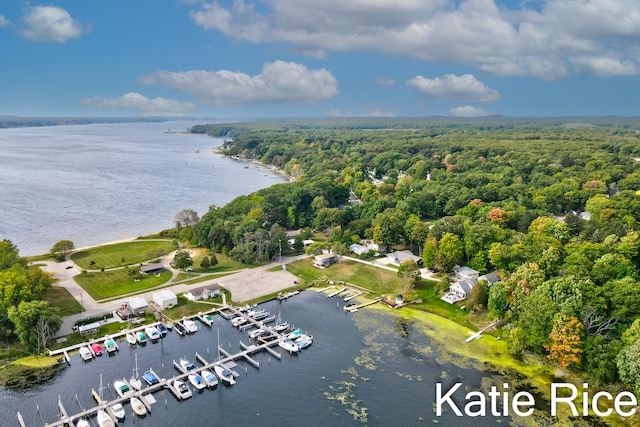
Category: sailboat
[103,418]
[135,381]
[223,373]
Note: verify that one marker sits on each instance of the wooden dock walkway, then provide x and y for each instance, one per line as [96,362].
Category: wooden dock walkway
[339,291]
[359,306]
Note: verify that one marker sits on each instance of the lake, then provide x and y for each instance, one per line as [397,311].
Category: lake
[97,183]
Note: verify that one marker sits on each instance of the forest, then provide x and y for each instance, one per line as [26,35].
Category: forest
[551,205]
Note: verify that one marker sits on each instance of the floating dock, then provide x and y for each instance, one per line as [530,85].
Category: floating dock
[326,289]
[339,291]
[356,307]
[349,298]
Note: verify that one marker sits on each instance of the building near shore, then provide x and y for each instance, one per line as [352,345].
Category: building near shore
[165,299]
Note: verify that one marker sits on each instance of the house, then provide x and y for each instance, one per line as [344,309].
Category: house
[137,305]
[358,249]
[462,288]
[152,268]
[324,260]
[465,273]
[490,278]
[398,257]
[203,292]
[165,299]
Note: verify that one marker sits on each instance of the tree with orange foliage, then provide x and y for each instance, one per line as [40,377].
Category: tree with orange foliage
[566,341]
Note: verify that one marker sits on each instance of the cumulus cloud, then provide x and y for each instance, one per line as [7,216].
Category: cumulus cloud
[4,22]
[278,82]
[469,111]
[383,81]
[465,87]
[140,104]
[548,40]
[50,24]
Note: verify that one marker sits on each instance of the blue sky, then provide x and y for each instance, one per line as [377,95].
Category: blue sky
[234,59]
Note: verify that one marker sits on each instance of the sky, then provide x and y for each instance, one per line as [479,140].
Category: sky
[244,59]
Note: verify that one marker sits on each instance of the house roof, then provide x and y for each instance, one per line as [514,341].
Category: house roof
[325,256]
[490,277]
[151,267]
[203,289]
[164,294]
[466,285]
[137,302]
[467,271]
[400,256]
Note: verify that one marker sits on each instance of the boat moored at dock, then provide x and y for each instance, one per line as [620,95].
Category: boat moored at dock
[288,345]
[137,406]
[131,338]
[210,378]
[225,375]
[190,326]
[180,329]
[85,353]
[181,389]
[197,381]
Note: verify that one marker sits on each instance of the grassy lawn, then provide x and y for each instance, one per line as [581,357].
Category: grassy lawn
[59,297]
[378,280]
[188,308]
[117,282]
[224,263]
[121,254]
[429,292]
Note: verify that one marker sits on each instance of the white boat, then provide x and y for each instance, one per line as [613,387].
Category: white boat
[210,378]
[180,329]
[281,327]
[304,341]
[187,365]
[135,380]
[137,406]
[181,388]
[131,338]
[110,345]
[122,388]
[118,410]
[197,381]
[141,337]
[82,422]
[237,321]
[255,312]
[295,334]
[258,333]
[224,374]
[152,333]
[104,420]
[288,345]
[85,353]
[207,319]
[190,326]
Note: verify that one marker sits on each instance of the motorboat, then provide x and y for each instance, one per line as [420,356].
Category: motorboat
[347,307]
[304,341]
[122,388]
[187,365]
[110,345]
[131,338]
[224,374]
[281,327]
[258,333]
[181,388]
[82,422]
[118,410]
[137,406]
[210,378]
[162,329]
[295,334]
[96,349]
[180,329]
[85,353]
[168,325]
[104,420]
[197,381]
[150,378]
[207,319]
[141,337]
[261,315]
[190,326]
[288,345]
[237,321]
[152,333]
[255,312]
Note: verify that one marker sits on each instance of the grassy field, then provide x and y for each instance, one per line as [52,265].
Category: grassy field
[121,254]
[379,280]
[224,262]
[188,308]
[59,297]
[117,282]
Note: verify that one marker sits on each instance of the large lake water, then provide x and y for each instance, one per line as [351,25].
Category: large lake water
[97,183]
[366,368]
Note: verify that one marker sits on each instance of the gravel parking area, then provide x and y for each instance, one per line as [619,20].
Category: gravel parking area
[254,283]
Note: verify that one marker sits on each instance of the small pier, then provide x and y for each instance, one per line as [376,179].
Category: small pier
[203,318]
[359,306]
[65,417]
[349,298]
[327,288]
[338,292]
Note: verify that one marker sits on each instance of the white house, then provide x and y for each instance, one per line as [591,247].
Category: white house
[462,288]
[358,249]
[203,292]
[462,273]
[398,257]
[138,306]
[165,299]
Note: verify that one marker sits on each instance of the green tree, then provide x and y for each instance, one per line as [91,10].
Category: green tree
[186,218]
[628,363]
[430,252]
[205,263]
[9,255]
[213,260]
[339,249]
[450,252]
[35,323]
[61,249]
[182,260]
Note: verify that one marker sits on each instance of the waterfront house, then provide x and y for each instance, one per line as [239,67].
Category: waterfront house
[324,260]
[398,257]
[203,292]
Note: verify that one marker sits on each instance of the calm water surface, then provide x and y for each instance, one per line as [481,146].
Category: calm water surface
[366,368]
[97,183]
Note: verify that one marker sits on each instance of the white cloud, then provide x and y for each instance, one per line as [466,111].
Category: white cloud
[465,87]
[383,81]
[279,82]
[469,111]
[141,104]
[537,38]
[603,66]
[50,24]
[4,22]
